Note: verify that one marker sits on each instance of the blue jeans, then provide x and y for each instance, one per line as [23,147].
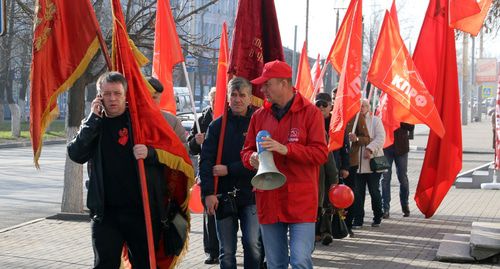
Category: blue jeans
[275,237]
[227,230]
[401,170]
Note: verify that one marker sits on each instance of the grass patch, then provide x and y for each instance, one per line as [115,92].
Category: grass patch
[56,130]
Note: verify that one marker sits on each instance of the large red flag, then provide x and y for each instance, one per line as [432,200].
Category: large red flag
[392,70]
[221,85]
[391,112]
[150,128]
[303,82]
[167,53]
[64,42]
[468,15]
[435,58]
[345,56]
[256,41]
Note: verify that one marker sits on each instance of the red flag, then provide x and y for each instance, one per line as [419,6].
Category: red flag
[468,15]
[167,53]
[64,43]
[394,15]
[303,83]
[221,85]
[150,128]
[256,40]
[435,58]
[392,70]
[346,55]
[316,76]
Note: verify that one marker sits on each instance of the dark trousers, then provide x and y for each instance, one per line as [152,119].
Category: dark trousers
[210,241]
[350,181]
[115,229]
[372,180]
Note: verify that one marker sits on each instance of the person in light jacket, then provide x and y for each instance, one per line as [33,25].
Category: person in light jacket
[367,177]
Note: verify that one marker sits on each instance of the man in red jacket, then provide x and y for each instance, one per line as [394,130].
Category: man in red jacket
[299,148]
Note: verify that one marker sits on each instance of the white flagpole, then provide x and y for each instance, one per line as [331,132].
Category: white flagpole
[193,107]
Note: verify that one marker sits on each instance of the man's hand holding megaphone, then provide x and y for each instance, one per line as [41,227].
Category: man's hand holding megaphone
[270,145]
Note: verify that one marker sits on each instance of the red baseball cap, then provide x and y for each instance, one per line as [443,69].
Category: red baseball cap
[274,69]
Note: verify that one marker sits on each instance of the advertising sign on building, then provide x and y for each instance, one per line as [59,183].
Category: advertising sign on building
[486,70]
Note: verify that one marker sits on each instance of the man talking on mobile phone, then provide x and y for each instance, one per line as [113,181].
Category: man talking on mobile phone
[114,199]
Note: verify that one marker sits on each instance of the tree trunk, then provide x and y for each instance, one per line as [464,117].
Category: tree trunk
[2,116]
[22,110]
[15,120]
[72,200]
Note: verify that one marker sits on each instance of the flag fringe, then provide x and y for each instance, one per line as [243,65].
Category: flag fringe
[49,115]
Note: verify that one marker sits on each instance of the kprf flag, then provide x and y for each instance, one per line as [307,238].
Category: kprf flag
[256,41]
[303,82]
[150,128]
[167,53]
[221,84]
[391,112]
[64,43]
[392,70]
[345,56]
[468,15]
[435,59]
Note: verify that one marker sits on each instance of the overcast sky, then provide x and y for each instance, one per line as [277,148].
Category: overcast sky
[322,17]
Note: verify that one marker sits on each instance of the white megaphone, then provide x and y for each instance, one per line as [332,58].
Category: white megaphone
[268,177]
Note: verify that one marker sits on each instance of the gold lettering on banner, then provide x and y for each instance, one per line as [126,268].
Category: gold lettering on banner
[43,20]
[256,50]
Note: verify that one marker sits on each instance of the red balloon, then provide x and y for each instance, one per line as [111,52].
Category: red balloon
[195,204]
[341,196]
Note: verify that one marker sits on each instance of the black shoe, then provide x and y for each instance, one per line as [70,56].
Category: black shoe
[406,211]
[376,223]
[386,215]
[326,239]
[212,260]
[351,234]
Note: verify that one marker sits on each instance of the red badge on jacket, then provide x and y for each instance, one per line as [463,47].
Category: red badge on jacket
[123,133]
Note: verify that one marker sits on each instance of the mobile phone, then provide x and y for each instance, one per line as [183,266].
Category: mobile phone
[102,111]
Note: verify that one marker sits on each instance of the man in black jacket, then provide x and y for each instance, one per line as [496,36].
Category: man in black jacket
[398,152]
[114,199]
[233,176]
[195,140]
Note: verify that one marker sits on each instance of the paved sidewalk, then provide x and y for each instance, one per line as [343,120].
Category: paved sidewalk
[399,243]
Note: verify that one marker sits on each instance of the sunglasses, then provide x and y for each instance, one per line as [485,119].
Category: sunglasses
[321,103]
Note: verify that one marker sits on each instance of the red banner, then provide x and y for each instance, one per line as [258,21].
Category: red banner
[303,82]
[221,84]
[435,58]
[167,53]
[64,43]
[347,51]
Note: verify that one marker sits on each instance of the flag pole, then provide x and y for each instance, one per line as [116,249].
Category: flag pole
[357,114]
[193,107]
[104,48]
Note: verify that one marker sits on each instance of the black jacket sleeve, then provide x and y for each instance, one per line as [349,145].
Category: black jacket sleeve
[331,172]
[194,148]
[83,145]
[207,159]
[344,154]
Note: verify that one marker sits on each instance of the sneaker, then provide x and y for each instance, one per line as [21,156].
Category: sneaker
[212,260]
[376,223]
[386,215]
[351,234]
[406,211]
